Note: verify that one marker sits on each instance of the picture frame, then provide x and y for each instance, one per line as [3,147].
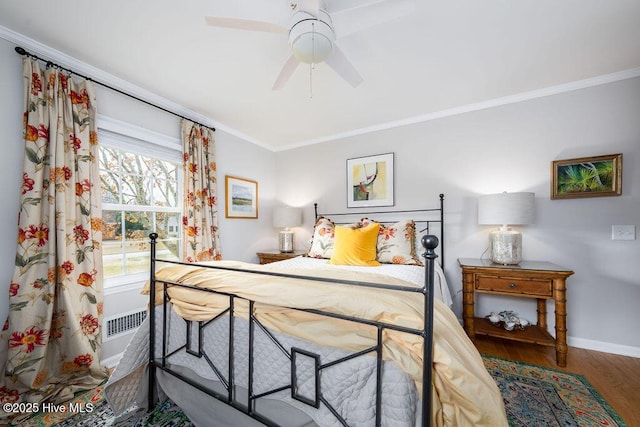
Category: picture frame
[587,177]
[370,181]
[241,198]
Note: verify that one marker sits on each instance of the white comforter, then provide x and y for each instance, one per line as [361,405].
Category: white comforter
[410,273]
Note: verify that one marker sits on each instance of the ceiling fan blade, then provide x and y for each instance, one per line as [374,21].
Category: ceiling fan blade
[341,65]
[245,24]
[312,7]
[286,72]
[357,18]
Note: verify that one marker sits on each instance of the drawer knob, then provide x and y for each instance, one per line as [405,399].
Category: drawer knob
[512,285]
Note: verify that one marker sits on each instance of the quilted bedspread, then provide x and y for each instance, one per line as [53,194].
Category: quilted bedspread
[464,393]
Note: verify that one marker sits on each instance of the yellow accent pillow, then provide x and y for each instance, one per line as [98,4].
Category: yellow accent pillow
[355,246]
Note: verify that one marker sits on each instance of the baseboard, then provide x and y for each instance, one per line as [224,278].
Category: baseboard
[111,362]
[606,347]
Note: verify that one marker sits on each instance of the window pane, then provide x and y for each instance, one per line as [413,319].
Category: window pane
[135,163]
[148,186]
[137,257]
[168,229]
[165,193]
[135,190]
[165,190]
[168,249]
[167,224]
[109,175]
[112,227]
[138,225]
[112,259]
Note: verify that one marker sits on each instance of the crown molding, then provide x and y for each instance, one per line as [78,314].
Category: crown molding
[512,99]
[101,76]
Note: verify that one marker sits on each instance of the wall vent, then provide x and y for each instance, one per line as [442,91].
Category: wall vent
[123,324]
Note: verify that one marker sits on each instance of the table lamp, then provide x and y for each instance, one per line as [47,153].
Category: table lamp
[506,209]
[286,217]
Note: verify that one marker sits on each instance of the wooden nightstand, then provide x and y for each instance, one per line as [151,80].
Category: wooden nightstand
[529,279]
[273,256]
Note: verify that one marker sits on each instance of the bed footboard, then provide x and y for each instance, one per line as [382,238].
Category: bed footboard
[313,397]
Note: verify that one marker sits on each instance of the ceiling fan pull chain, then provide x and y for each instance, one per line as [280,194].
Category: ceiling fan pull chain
[311,81]
[313,58]
[313,42]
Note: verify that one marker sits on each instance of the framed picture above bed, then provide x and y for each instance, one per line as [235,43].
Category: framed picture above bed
[241,198]
[587,177]
[370,181]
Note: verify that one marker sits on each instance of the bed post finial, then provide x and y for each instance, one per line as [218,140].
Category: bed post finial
[430,243]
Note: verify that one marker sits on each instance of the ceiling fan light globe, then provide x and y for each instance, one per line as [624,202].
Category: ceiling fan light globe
[311,39]
[311,48]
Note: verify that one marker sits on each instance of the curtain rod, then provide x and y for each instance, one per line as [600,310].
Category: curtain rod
[21,51]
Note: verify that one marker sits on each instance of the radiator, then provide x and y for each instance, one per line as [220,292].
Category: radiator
[123,323]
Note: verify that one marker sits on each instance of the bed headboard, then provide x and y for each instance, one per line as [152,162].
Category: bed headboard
[426,220]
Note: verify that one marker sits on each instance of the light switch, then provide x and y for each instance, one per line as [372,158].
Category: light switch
[623,232]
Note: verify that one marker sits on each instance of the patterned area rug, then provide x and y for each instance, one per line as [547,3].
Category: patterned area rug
[537,396]
[533,396]
[97,413]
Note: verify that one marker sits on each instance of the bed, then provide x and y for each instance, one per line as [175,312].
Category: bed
[304,343]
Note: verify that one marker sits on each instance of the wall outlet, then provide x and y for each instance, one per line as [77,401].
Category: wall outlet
[623,232]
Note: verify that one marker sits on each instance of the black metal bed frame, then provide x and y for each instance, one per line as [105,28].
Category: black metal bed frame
[429,242]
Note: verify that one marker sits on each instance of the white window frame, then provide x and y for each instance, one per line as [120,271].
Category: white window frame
[114,133]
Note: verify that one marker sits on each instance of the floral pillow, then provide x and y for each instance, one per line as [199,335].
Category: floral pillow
[323,240]
[396,242]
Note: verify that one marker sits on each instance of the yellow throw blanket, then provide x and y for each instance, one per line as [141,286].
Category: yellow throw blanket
[464,392]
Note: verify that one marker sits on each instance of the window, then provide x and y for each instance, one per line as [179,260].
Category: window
[140,195]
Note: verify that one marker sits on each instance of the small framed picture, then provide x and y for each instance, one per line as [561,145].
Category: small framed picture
[241,198]
[587,177]
[370,181]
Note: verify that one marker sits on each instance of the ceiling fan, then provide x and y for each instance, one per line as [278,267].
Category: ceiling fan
[314,26]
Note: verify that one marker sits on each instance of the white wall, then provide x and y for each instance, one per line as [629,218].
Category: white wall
[510,148]
[241,238]
[10,164]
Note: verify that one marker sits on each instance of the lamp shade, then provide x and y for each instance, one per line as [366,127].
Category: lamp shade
[506,208]
[285,217]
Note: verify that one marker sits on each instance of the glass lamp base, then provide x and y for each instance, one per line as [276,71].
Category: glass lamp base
[505,246]
[285,241]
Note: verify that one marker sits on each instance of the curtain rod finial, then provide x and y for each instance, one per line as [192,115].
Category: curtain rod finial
[20,50]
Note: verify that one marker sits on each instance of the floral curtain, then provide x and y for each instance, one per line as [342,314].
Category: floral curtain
[52,336]
[200,220]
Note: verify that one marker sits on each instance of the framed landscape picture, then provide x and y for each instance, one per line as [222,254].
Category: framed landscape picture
[370,181]
[587,177]
[241,198]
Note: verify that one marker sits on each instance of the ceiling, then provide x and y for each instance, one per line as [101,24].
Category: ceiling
[443,57]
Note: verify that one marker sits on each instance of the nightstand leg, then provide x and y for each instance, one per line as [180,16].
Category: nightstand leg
[542,313]
[468,309]
[561,321]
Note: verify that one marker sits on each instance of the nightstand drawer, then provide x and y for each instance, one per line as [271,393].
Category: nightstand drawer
[538,288]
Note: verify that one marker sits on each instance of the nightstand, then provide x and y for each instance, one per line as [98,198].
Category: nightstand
[273,256]
[529,279]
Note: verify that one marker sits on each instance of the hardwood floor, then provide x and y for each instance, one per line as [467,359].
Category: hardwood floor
[617,378]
